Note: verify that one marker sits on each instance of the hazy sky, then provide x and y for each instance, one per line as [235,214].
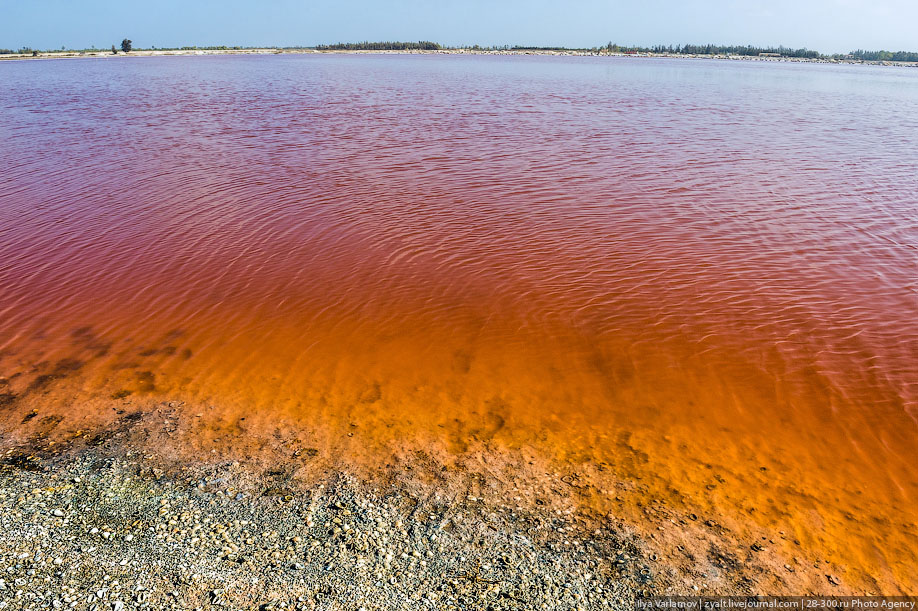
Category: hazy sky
[825,25]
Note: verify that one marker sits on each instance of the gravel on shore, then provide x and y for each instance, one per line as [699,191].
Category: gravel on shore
[97,532]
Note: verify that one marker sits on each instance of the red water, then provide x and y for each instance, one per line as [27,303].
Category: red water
[695,271]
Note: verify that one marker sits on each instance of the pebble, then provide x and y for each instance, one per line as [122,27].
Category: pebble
[201,549]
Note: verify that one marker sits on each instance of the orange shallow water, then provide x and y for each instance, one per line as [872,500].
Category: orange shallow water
[702,273]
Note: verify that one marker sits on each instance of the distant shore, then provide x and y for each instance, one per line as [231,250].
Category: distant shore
[101,53]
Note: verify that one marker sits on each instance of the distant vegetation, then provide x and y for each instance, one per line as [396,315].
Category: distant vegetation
[219,48]
[745,50]
[20,51]
[896,56]
[688,49]
[126,46]
[426,45]
[422,45]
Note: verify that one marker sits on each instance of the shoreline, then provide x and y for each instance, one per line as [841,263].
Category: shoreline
[555,53]
[261,520]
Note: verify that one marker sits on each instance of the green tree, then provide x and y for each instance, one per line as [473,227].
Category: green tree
[126,45]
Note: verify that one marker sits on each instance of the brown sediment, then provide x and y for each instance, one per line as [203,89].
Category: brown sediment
[717,545]
[700,512]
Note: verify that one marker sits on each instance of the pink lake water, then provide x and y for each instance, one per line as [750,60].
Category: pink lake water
[675,267]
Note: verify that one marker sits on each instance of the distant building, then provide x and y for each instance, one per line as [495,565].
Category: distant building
[769,55]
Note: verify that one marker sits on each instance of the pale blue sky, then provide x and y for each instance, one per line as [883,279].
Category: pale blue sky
[826,25]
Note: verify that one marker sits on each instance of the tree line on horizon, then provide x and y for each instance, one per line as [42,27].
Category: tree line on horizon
[883,56]
[748,50]
[421,45]
[710,49]
[687,49]
[126,46]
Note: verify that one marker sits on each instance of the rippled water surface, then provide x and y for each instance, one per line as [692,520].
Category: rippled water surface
[695,271]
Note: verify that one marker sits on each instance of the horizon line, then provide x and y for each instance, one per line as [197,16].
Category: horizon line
[660,47]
